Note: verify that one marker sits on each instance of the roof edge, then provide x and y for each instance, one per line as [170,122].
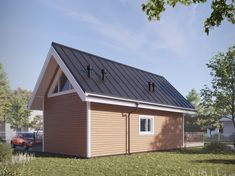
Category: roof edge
[132,103]
[104,58]
[39,80]
[53,53]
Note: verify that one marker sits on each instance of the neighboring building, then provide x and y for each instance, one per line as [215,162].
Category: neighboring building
[228,129]
[211,133]
[94,106]
[6,132]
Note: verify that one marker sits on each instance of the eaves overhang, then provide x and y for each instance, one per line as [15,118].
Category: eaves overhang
[96,98]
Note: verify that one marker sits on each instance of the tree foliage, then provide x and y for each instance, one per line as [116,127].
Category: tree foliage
[4,93]
[36,123]
[190,122]
[221,9]
[194,98]
[18,113]
[219,100]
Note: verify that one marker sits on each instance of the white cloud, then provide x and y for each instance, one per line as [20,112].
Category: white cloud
[170,33]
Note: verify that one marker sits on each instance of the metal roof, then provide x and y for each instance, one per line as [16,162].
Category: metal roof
[121,81]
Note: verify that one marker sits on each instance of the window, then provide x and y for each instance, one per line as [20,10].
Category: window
[61,85]
[64,83]
[146,125]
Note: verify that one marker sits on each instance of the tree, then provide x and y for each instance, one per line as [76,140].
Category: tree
[205,117]
[209,117]
[36,123]
[190,121]
[194,98]
[221,9]
[18,114]
[219,100]
[4,92]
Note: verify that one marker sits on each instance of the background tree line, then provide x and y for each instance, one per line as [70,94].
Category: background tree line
[216,100]
[13,105]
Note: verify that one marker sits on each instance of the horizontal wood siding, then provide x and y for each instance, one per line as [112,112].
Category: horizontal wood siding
[168,132]
[109,130]
[65,125]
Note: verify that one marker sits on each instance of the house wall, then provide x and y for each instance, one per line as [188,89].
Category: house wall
[65,125]
[228,128]
[109,130]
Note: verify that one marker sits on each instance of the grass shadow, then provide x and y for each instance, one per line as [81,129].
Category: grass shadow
[45,154]
[216,161]
[200,150]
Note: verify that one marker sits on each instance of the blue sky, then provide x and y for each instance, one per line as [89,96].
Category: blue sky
[176,47]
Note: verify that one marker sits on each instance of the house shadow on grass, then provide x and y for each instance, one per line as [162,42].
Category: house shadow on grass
[216,161]
[46,155]
[37,152]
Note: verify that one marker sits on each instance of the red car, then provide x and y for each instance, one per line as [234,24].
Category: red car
[24,140]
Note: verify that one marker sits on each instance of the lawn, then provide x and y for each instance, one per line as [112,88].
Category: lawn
[186,162]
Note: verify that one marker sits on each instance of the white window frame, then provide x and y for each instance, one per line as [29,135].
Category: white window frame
[152,125]
[55,83]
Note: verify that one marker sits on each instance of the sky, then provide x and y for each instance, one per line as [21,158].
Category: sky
[175,47]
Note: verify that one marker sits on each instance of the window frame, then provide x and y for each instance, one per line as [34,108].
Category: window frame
[56,83]
[151,132]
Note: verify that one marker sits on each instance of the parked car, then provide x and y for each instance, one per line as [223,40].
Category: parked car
[25,140]
[38,137]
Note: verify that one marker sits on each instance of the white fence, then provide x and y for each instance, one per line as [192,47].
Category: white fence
[193,139]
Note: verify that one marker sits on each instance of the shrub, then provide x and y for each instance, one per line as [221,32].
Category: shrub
[5,152]
[214,147]
[6,170]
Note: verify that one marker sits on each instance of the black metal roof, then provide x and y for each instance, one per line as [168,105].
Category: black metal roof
[120,81]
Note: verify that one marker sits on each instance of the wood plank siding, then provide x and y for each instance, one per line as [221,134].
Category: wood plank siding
[65,125]
[109,130]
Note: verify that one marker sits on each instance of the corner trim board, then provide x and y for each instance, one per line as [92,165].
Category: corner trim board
[183,130]
[88,117]
[43,140]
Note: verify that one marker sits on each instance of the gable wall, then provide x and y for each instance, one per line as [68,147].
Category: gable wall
[65,125]
[109,130]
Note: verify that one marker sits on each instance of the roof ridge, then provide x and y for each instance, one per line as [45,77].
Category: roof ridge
[100,57]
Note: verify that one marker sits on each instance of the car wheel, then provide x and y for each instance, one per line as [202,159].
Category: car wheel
[13,145]
[25,147]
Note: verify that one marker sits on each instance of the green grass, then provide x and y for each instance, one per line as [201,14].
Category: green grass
[187,162]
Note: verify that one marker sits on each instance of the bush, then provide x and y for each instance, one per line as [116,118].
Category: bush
[6,170]
[5,152]
[214,147]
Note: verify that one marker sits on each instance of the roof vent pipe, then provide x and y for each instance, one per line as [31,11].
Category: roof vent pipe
[89,70]
[151,86]
[103,72]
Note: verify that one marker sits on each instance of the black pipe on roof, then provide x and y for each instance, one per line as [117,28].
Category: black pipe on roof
[103,72]
[151,86]
[89,70]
